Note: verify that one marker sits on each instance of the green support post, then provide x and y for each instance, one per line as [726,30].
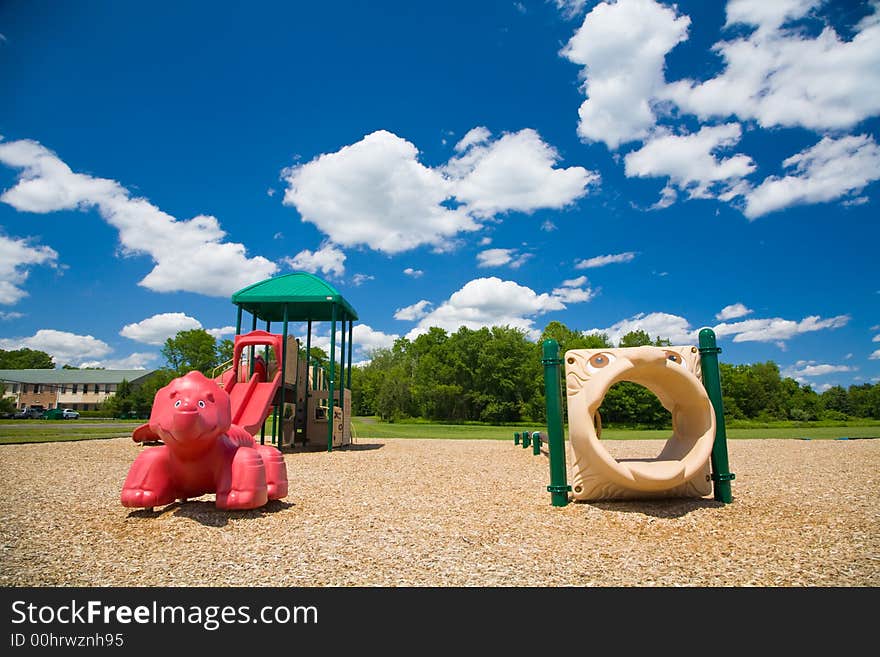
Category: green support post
[525,439]
[516,437]
[332,376]
[558,487]
[721,474]
[536,443]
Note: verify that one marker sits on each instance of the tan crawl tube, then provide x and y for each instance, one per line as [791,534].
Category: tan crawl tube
[681,469]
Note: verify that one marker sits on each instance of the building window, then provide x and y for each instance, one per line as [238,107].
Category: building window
[15,388]
[75,388]
[38,388]
[63,388]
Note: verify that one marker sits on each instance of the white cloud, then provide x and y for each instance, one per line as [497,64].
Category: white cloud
[478,135]
[516,172]
[491,302]
[328,260]
[663,325]
[502,257]
[65,348]
[601,261]
[16,257]
[188,255]
[158,328]
[366,338]
[414,273]
[219,333]
[831,169]
[806,370]
[135,361]
[360,279]
[548,226]
[876,338]
[485,241]
[570,8]
[875,355]
[773,329]
[574,290]
[733,311]
[622,47]
[8,316]
[689,161]
[375,192]
[782,77]
[414,312]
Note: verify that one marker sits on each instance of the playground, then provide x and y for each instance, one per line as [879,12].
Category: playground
[444,513]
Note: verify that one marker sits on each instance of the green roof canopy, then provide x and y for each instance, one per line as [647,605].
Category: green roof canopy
[306,297]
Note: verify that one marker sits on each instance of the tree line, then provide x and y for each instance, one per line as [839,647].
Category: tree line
[495,375]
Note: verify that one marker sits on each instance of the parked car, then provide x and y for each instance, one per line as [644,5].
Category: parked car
[69,414]
[29,413]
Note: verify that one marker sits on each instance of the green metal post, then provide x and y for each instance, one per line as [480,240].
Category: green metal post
[536,443]
[516,437]
[525,439]
[558,487]
[308,381]
[350,349]
[332,375]
[283,363]
[342,369]
[251,348]
[238,322]
[721,474]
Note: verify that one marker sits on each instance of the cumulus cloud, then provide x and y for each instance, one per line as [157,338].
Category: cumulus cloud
[575,290]
[328,260]
[8,316]
[157,329]
[414,312]
[601,261]
[622,47]
[376,193]
[780,76]
[364,338]
[516,172]
[187,255]
[678,329]
[360,279]
[803,370]
[874,355]
[413,273]
[64,347]
[135,361]
[777,329]
[570,8]
[733,311]
[493,302]
[833,168]
[501,257]
[690,161]
[17,256]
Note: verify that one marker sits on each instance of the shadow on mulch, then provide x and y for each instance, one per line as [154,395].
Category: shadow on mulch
[670,508]
[354,447]
[206,513]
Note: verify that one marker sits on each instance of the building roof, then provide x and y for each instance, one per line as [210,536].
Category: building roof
[306,297]
[48,376]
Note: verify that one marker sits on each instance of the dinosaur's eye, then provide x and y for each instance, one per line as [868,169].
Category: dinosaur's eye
[201,404]
[674,357]
[598,361]
[177,404]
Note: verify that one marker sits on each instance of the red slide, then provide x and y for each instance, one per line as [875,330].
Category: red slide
[252,400]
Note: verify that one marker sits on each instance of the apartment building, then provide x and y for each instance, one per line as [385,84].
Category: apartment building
[81,390]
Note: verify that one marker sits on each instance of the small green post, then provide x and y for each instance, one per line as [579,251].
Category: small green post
[721,474]
[516,437]
[525,439]
[536,443]
[555,439]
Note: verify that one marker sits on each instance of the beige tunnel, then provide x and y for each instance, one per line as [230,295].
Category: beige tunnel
[681,469]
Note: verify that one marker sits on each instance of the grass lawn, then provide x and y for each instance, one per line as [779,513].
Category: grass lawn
[36,431]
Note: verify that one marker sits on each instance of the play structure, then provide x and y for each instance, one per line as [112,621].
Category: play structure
[687,382]
[203,451]
[271,375]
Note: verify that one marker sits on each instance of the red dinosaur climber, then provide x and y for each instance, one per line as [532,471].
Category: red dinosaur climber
[203,452]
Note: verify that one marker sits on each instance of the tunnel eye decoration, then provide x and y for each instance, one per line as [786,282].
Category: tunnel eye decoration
[177,404]
[598,361]
[201,404]
[674,357]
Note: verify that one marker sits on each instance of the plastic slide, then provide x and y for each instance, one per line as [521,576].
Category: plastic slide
[252,400]
[681,469]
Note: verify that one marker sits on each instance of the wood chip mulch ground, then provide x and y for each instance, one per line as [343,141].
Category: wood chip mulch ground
[445,513]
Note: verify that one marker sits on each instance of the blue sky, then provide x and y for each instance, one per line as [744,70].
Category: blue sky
[613,165]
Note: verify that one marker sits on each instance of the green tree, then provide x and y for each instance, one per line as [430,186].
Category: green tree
[637,338]
[195,349]
[225,351]
[6,403]
[25,359]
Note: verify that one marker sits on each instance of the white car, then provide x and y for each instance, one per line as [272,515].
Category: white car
[69,414]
